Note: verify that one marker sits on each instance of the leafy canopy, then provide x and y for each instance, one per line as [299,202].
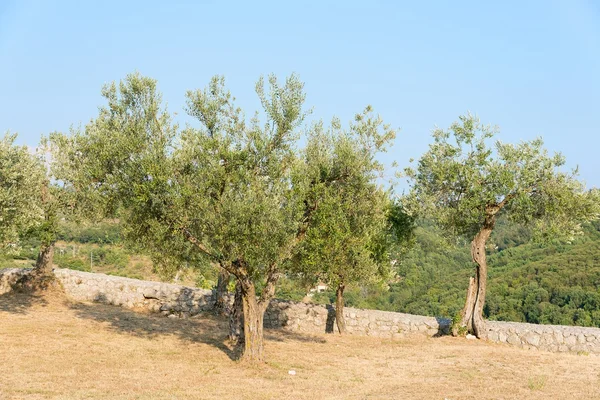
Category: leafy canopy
[21,177]
[221,191]
[346,240]
[461,179]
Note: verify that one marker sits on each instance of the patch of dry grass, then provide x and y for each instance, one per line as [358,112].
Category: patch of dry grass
[52,348]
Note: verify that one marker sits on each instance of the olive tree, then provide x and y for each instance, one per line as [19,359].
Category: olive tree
[465,185]
[221,189]
[349,223]
[21,180]
[30,205]
[55,203]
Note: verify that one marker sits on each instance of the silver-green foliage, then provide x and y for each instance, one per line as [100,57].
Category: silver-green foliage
[222,188]
[349,224]
[21,177]
[461,178]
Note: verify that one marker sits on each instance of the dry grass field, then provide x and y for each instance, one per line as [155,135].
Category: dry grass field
[51,348]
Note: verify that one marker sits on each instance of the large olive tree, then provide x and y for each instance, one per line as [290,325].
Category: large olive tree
[465,185]
[221,189]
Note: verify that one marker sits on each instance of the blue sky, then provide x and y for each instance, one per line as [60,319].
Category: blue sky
[533,68]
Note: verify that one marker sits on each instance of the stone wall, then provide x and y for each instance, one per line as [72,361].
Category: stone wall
[8,277]
[312,318]
[161,297]
[180,301]
[545,337]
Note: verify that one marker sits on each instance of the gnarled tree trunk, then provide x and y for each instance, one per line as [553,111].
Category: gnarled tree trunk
[45,260]
[254,348]
[254,311]
[466,321]
[339,309]
[472,315]
[220,306]
[41,277]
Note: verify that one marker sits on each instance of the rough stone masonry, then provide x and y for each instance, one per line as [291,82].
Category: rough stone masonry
[181,301]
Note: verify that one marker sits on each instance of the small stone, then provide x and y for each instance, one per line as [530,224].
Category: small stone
[533,339]
[559,337]
[502,337]
[513,339]
[471,337]
[493,336]
[571,340]
[291,372]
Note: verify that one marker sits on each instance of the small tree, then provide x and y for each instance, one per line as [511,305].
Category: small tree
[31,204]
[223,191]
[465,185]
[55,203]
[344,240]
[21,177]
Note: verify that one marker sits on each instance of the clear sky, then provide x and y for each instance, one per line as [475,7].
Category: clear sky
[533,68]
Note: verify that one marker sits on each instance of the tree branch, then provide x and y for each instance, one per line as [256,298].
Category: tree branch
[269,291]
[199,245]
[505,200]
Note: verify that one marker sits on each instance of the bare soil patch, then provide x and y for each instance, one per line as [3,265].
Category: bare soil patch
[51,348]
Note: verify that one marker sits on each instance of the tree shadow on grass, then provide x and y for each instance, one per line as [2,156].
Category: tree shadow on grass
[23,289]
[204,328]
[281,335]
[20,303]
[209,329]
[444,326]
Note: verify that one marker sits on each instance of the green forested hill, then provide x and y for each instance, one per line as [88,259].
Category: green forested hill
[555,284]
